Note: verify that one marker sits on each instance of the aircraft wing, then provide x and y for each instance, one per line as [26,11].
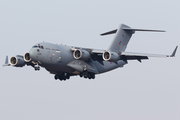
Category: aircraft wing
[143,54]
[138,56]
[96,55]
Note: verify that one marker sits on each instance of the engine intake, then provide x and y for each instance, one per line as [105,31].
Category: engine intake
[17,61]
[27,57]
[81,54]
[111,56]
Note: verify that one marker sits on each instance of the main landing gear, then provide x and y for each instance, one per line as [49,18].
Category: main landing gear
[61,77]
[65,76]
[87,74]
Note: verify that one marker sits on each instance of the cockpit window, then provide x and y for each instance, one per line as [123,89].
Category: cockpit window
[42,47]
[38,47]
[34,47]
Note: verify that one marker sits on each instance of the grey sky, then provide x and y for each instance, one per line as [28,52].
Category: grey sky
[136,92]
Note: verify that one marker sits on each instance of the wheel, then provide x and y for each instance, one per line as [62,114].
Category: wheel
[64,78]
[67,76]
[81,75]
[38,68]
[56,77]
[93,77]
[89,76]
[85,74]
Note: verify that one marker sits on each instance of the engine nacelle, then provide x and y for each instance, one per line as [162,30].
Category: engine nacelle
[111,56]
[27,57]
[81,54]
[17,61]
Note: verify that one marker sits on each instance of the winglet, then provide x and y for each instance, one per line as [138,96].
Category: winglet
[174,52]
[6,62]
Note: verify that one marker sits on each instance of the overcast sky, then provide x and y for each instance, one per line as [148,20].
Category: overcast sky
[139,91]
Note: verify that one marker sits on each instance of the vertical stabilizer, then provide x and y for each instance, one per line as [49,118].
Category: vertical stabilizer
[121,39]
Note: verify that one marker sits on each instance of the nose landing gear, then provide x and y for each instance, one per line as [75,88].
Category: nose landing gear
[37,68]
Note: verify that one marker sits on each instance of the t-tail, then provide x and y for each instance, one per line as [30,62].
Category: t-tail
[122,37]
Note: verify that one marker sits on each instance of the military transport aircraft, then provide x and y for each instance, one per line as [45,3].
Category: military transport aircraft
[65,61]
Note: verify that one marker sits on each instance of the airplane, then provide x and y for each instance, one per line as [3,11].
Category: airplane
[66,61]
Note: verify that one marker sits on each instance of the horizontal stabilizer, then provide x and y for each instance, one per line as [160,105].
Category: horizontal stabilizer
[110,32]
[130,29]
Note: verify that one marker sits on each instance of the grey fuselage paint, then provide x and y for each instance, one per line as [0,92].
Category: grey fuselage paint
[55,58]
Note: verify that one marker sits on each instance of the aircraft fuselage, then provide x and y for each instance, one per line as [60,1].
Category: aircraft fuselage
[55,58]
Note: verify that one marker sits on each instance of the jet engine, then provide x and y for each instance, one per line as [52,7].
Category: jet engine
[81,54]
[111,56]
[27,57]
[17,61]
